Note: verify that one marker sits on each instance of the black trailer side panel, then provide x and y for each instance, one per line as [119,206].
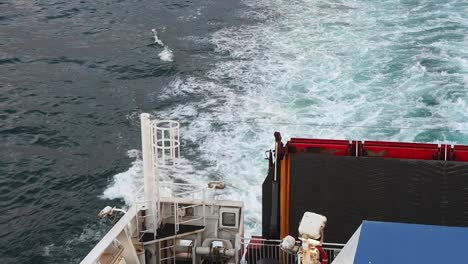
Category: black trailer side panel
[349,189]
[266,204]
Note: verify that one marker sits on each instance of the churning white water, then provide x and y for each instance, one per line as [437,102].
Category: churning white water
[382,70]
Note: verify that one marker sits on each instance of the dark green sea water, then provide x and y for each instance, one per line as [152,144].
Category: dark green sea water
[74,76]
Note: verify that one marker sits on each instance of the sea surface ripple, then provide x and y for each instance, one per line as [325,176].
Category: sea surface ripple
[74,76]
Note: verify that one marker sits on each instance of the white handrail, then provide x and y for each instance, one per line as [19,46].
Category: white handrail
[96,252]
[254,249]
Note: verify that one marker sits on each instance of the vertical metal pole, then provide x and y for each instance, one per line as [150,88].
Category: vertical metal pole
[178,142]
[204,216]
[176,217]
[174,253]
[148,168]
[163,146]
[275,177]
[171,136]
[445,157]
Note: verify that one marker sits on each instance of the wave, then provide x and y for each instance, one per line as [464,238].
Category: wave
[166,54]
[374,66]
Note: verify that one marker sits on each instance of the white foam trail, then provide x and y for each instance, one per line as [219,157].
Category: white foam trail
[156,39]
[126,184]
[350,62]
[46,250]
[166,54]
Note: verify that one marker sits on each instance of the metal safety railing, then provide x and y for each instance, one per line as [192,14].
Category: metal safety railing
[256,249]
[162,202]
[165,142]
[332,249]
[167,251]
[188,191]
[172,194]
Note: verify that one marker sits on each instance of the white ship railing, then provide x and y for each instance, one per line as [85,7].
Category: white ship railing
[165,143]
[177,195]
[255,249]
[332,249]
[118,237]
[195,193]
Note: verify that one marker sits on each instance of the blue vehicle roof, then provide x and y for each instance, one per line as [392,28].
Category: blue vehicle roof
[390,243]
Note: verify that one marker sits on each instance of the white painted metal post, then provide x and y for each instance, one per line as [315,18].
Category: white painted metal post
[130,255]
[148,168]
[204,213]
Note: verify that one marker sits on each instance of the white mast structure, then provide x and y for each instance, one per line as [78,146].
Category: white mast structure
[160,149]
